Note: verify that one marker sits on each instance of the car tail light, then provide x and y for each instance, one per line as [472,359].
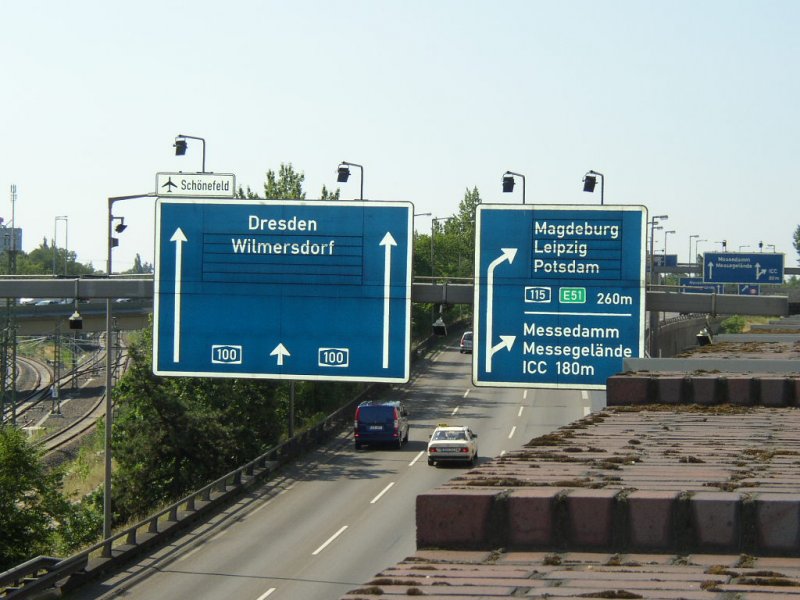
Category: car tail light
[396,420]
[433,450]
[464,450]
[355,421]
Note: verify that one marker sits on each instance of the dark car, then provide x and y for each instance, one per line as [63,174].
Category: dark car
[380,423]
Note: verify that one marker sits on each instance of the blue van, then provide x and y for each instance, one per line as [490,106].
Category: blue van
[380,423]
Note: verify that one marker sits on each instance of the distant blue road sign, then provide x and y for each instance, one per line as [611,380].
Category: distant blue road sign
[695,285]
[660,260]
[740,267]
[559,294]
[747,289]
[274,289]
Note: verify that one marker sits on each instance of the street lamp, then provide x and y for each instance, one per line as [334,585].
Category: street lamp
[724,244]
[111,243]
[691,237]
[180,146]
[590,180]
[66,241]
[771,246]
[742,247]
[666,233]
[508,183]
[343,174]
[697,246]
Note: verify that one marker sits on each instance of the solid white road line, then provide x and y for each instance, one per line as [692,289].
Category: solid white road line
[513,429]
[378,497]
[266,594]
[416,458]
[329,540]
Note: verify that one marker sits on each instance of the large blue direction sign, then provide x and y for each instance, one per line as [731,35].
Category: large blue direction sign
[280,289]
[559,294]
[740,267]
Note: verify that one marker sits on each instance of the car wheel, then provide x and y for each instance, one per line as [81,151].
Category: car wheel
[358,445]
[430,462]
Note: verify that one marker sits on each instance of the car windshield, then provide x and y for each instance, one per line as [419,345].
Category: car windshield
[449,435]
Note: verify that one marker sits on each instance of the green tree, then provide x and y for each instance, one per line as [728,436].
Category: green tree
[139,267]
[796,239]
[35,518]
[40,262]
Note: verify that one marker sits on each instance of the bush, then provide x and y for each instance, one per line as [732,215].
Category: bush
[734,324]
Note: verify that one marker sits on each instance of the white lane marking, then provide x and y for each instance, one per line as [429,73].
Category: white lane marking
[329,540]
[502,453]
[455,410]
[525,395]
[521,408]
[378,497]
[266,594]
[416,458]
[587,410]
[584,395]
[513,429]
[466,393]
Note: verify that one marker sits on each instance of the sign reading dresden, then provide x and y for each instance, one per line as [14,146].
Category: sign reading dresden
[206,185]
[559,294]
[741,267]
[280,289]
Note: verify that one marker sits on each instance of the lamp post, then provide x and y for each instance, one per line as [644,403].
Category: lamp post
[66,242]
[743,247]
[508,183]
[180,146]
[590,180]
[666,233]
[112,242]
[343,174]
[697,246]
[723,244]
[654,315]
[691,237]
[771,246]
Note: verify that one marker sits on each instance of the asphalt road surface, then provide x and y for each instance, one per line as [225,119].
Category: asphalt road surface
[329,523]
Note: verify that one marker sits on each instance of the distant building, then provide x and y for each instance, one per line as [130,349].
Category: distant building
[10,237]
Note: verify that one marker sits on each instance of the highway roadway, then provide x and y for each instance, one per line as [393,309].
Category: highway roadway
[329,523]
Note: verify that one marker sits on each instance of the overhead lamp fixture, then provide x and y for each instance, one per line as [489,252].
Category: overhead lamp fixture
[343,173]
[590,181]
[180,147]
[120,227]
[508,182]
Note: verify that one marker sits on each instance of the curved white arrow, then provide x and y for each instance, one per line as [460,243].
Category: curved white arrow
[508,254]
[179,238]
[280,351]
[387,242]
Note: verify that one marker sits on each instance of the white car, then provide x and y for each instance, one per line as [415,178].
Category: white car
[453,444]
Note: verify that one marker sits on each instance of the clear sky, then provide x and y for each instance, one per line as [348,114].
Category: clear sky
[688,107]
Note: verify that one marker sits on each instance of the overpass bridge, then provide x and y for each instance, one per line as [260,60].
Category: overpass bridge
[97,296]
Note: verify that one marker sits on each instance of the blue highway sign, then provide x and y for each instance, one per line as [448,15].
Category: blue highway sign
[275,289]
[740,267]
[660,260]
[695,285]
[559,294]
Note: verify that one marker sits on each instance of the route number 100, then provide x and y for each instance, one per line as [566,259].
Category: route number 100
[334,357]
